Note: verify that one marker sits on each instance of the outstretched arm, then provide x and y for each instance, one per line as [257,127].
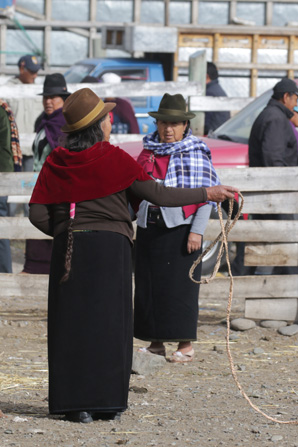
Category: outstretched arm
[160,195]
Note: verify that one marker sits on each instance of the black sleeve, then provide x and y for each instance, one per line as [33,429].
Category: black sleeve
[274,143]
[41,217]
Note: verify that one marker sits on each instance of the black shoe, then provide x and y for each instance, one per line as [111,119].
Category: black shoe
[79,416]
[108,416]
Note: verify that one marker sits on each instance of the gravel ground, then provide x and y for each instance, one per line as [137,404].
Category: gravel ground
[182,404]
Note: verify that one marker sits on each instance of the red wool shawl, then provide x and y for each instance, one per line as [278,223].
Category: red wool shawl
[96,172]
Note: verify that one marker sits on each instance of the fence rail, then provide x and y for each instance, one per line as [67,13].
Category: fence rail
[191,90]
[268,242]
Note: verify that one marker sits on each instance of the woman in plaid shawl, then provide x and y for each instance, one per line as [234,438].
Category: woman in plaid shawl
[170,239]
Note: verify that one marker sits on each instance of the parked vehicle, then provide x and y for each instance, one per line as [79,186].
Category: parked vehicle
[128,69]
[237,129]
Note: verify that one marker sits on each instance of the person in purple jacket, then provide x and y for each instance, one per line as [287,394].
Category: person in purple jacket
[294,123]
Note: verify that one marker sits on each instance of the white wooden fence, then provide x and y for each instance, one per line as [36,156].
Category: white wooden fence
[265,190]
[191,90]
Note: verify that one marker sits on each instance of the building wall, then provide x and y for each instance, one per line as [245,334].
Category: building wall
[64,32]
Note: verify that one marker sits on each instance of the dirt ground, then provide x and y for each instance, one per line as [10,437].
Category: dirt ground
[181,405]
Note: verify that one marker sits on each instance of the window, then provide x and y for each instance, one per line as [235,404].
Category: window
[78,72]
[132,74]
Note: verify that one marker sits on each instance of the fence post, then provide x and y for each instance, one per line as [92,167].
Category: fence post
[197,72]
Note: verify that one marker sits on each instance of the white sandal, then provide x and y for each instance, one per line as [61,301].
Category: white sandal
[157,351]
[179,357]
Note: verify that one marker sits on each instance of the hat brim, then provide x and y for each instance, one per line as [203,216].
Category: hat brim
[35,70]
[55,92]
[295,92]
[107,108]
[172,118]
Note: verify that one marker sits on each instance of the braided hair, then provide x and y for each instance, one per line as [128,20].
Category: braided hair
[77,142]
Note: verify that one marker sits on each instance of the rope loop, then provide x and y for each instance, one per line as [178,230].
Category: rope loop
[223,235]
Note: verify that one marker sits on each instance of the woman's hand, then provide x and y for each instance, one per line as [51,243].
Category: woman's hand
[220,193]
[194,242]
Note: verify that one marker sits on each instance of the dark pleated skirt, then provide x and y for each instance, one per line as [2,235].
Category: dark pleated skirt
[90,324]
[38,256]
[166,300]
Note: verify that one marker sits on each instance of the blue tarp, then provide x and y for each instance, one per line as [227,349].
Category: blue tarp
[7,9]
[6,3]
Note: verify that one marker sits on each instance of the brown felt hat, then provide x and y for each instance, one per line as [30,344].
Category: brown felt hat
[82,109]
[172,108]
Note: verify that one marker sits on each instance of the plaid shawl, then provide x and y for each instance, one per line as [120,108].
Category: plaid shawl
[15,141]
[190,164]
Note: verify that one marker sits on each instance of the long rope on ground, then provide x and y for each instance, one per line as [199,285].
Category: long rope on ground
[223,235]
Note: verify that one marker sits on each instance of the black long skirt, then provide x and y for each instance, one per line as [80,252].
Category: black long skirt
[90,324]
[166,300]
[38,256]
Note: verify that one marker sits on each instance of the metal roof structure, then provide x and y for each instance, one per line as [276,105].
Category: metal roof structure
[250,41]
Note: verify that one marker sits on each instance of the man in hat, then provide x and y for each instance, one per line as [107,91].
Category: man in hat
[272,142]
[28,68]
[25,111]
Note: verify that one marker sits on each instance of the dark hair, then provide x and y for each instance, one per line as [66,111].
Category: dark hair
[184,122]
[68,255]
[64,97]
[186,129]
[83,139]
[77,142]
[212,71]
[280,95]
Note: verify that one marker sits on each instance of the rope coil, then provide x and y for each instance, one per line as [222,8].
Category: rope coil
[225,229]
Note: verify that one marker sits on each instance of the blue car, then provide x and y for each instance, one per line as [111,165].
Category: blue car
[129,70]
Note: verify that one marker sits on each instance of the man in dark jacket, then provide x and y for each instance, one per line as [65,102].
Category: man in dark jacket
[214,119]
[272,141]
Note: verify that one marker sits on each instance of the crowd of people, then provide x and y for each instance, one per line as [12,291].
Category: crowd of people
[82,197]
[86,196]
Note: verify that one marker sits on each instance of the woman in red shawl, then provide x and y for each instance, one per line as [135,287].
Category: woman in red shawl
[82,198]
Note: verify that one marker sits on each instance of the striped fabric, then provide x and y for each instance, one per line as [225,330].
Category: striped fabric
[190,164]
[15,141]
